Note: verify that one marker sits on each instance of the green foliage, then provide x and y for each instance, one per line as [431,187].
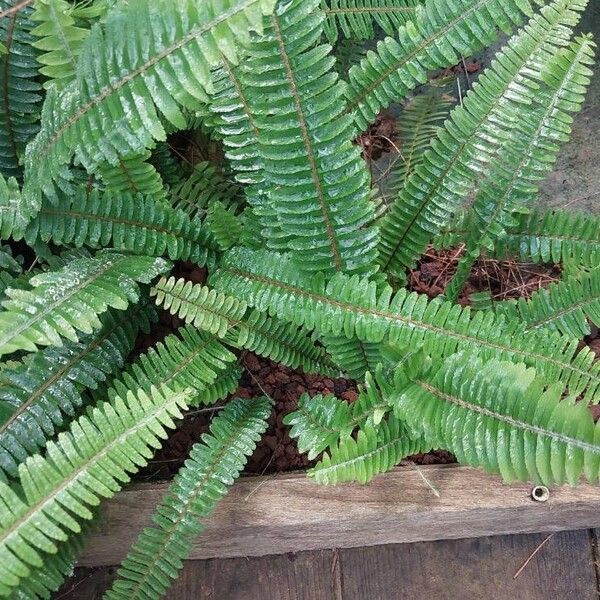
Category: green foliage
[60,40]
[214,463]
[502,417]
[463,150]
[125,222]
[436,37]
[224,224]
[37,396]
[89,462]
[353,356]
[359,19]
[374,451]
[20,101]
[166,62]
[309,143]
[64,302]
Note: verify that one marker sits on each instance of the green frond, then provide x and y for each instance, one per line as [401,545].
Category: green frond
[186,360]
[315,178]
[417,124]
[352,306]
[225,225]
[318,423]
[13,215]
[167,50]
[358,19]
[502,417]
[554,237]
[157,555]
[86,464]
[65,302]
[461,154]
[252,330]
[375,450]
[169,168]
[204,186]
[518,166]
[353,356]
[60,40]
[20,101]
[10,268]
[133,175]
[564,307]
[125,222]
[436,37]
[39,395]
[348,52]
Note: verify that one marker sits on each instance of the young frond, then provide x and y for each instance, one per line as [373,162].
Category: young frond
[125,222]
[352,306]
[358,19]
[502,417]
[353,356]
[463,150]
[68,301]
[89,462]
[20,102]
[39,395]
[167,50]
[157,555]
[375,450]
[60,40]
[315,178]
[225,225]
[436,37]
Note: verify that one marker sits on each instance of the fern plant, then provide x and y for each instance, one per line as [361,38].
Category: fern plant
[292,254]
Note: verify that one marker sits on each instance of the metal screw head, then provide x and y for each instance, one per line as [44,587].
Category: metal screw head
[540,493]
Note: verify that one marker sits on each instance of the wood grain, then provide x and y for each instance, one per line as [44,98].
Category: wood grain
[473,569]
[289,513]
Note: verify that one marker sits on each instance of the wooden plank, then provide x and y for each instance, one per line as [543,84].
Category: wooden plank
[289,513]
[473,569]
[302,576]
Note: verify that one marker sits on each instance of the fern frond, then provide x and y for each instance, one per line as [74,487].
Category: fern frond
[133,175]
[214,463]
[225,225]
[417,125]
[124,222]
[564,307]
[65,302]
[554,237]
[36,396]
[186,360]
[318,423]
[20,100]
[315,177]
[60,40]
[203,187]
[358,18]
[463,150]
[500,416]
[353,306]
[374,451]
[13,215]
[436,37]
[230,320]
[528,156]
[167,50]
[169,168]
[89,462]
[353,356]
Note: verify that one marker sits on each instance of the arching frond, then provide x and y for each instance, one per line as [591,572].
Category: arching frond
[500,416]
[375,450]
[308,145]
[125,222]
[167,50]
[354,306]
[20,100]
[463,150]
[67,302]
[89,462]
[214,463]
[39,395]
